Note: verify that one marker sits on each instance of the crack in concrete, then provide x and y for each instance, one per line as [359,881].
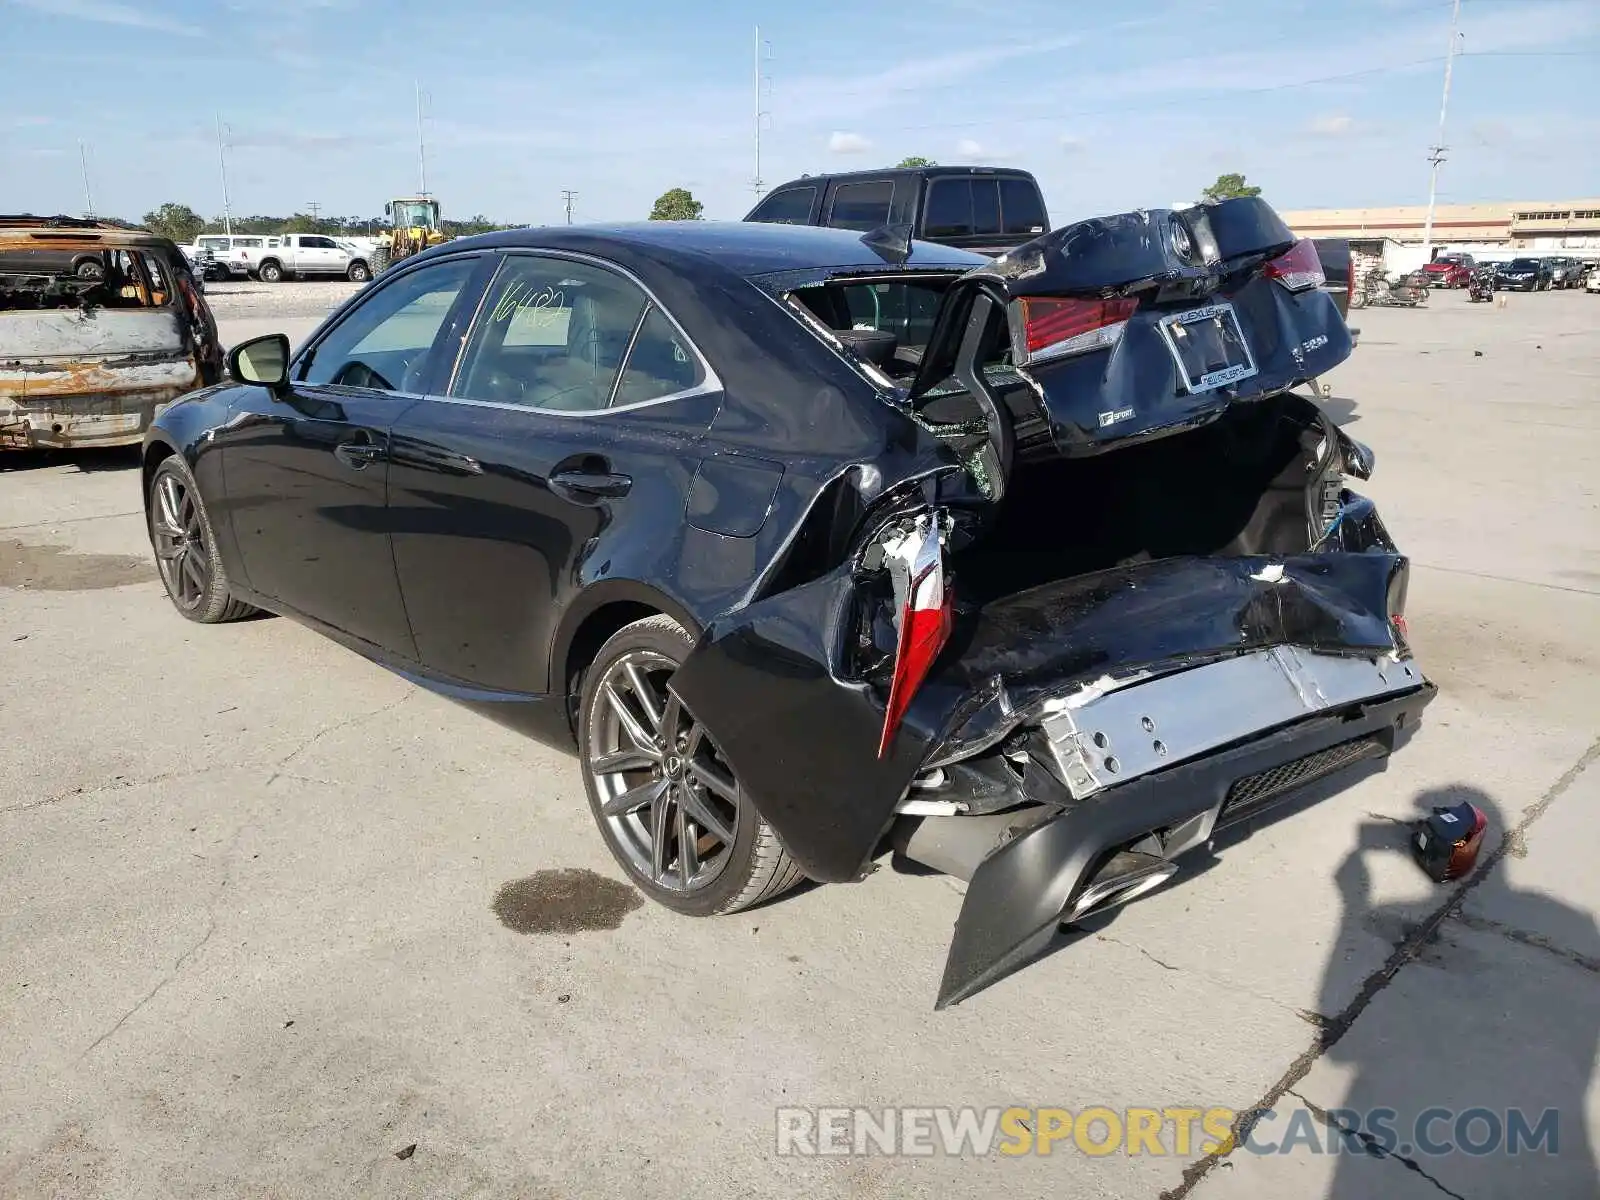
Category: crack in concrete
[183,960]
[117,785]
[1369,1143]
[1227,985]
[1526,937]
[1403,953]
[335,727]
[138,512]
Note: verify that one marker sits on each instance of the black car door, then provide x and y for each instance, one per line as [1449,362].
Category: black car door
[570,424]
[307,473]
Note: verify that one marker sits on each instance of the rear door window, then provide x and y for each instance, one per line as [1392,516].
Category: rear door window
[551,334]
[792,206]
[862,206]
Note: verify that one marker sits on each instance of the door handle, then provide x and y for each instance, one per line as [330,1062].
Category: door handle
[587,486]
[359,455]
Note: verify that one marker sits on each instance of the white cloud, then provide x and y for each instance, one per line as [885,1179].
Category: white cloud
[1073,144]
[848,143]
[968,148]
[109,12]
[1337,125]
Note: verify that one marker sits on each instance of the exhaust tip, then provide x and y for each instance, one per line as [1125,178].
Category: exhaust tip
[1126,876]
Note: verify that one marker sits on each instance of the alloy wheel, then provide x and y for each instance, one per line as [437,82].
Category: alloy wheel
[180,542]
[668,797]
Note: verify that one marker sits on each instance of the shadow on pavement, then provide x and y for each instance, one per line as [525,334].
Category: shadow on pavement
[88,461]
[1474,1038]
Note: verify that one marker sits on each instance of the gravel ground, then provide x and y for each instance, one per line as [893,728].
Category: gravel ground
[267,926]
[246,309]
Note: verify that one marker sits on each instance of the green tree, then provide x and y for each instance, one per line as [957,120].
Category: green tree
[677,204]
[301,223]
[1228,186]
[176,221]
[916,160]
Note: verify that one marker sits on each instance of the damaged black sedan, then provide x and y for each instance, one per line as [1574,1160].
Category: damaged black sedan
[815,545]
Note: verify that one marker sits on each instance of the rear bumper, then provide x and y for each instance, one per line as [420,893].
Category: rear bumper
[1020,893]
[79,422]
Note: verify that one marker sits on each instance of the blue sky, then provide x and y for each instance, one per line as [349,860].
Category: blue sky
[1112,106]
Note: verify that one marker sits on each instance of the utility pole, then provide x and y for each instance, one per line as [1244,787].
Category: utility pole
[761,82]
[315,210]
[222,162]
[568,196]
[1436,152]
[422,154]
[88,195]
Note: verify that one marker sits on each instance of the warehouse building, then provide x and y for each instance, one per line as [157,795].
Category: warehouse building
[1535,226]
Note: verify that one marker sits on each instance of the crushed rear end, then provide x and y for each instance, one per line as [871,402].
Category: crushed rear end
[99,329]
[1137,602]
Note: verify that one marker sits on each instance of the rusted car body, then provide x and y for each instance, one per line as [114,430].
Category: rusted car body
[100,328]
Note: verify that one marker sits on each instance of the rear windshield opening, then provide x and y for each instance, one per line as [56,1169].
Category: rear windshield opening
[49,277]
[886,322]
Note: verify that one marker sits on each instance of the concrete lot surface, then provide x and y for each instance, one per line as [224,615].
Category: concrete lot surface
[256,935]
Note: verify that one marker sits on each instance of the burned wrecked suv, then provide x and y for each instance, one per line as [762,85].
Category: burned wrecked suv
[819,544]
[99,327]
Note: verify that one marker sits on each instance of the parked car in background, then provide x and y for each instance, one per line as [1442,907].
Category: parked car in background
[983,209]
[1450,270]
[88,358]
[1591,279]
[309,255]
[1523,275]
[1565,272]
[236,254]
[1037,570]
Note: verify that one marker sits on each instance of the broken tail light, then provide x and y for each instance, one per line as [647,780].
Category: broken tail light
[1300,269]
[915,560]
[1057,326]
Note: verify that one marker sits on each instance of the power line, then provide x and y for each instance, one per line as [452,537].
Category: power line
[569,196]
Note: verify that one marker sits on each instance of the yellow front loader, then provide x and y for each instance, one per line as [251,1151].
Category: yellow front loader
[415,222]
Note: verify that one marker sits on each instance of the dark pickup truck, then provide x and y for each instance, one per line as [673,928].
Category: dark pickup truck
[987,210]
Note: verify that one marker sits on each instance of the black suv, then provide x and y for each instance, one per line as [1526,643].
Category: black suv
[984,209]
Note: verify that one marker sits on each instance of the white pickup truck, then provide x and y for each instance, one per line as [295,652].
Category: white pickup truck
[295,255]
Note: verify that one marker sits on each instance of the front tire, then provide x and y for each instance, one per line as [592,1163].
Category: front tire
[186,547]
[669,807]
[270,272]
[358,273]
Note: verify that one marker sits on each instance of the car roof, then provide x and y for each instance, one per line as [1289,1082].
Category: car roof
[63,232]
[746,248]
[924,172]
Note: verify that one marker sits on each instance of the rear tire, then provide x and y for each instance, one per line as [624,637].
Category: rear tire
[670,809]
[186,548]
[380,260]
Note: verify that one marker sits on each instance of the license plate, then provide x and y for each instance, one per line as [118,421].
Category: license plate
[1209,347]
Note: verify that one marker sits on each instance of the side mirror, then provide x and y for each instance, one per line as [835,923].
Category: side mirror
[262,360]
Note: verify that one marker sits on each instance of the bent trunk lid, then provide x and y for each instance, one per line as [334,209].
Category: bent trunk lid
[1208,330]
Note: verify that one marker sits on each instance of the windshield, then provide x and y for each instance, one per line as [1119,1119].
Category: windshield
[1524,264]
[412,213]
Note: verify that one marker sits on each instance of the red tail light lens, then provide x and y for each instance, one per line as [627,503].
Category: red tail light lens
[916,564]
[1300,269]
[1054,326]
